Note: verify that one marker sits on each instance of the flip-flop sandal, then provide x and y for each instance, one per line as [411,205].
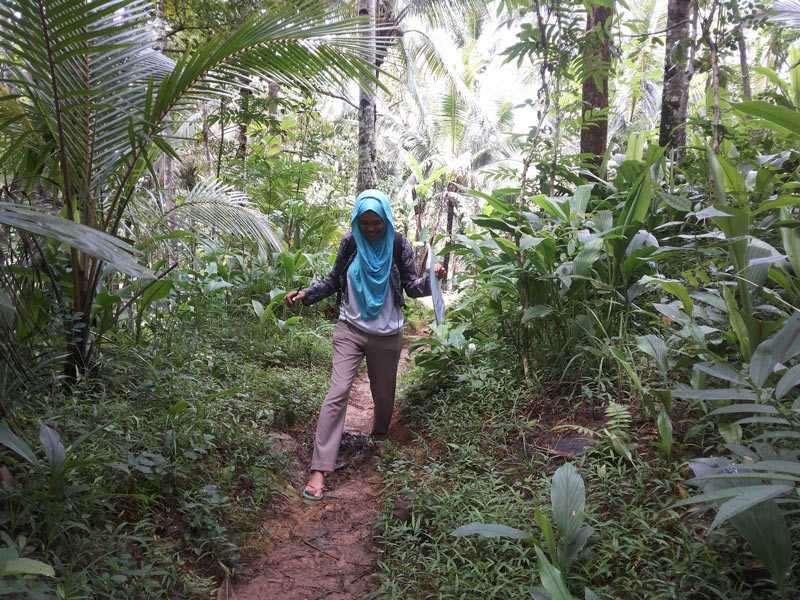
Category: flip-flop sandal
[309,493]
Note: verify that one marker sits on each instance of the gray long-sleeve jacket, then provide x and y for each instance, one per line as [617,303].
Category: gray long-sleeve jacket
[402,278]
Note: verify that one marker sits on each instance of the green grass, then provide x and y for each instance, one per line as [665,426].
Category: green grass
[473,460]
[169,459]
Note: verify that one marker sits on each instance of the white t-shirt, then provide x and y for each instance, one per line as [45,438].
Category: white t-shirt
[389,321]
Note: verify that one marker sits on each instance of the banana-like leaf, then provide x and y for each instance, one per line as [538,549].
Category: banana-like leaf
[672,286]
[687,393]
[664,424]
[568,499]
[749,408]
[780,347]
[721,371]
[789,380]
[490,530]
[53,448]
[785,118]
[655,347]
[19,565]
[16,444]
[552,581]
[764,527]
[112,250]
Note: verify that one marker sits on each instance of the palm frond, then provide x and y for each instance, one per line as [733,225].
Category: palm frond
[785,12]
[220,207]
[444,13]
[112,250]
[84,66]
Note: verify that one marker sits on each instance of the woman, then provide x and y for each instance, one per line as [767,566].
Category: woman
[374,265]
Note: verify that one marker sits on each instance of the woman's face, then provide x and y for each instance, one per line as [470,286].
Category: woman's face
[371,225]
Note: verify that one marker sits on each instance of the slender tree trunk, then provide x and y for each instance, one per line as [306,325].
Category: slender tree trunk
[244,121]
[206,134]
[716,117]
[597,62]
[451,213]
[367,172]
[747,93]
[683,110]
[672,132]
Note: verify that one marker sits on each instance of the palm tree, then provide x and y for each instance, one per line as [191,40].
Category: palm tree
[456,139]
[92,96]
[386,19]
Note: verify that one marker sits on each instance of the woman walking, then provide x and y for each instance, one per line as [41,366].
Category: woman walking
[374,265]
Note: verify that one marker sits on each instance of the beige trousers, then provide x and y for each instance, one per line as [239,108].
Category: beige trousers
[350,345]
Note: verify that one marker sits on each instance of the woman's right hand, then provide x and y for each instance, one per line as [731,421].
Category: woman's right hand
[293,297]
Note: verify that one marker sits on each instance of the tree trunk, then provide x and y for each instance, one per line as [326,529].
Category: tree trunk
[367,172]
[747,93]
[244,121]
[597,62]
[672,132]
[451,213]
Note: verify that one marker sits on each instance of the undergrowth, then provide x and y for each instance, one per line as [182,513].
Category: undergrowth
[168,458]
[479,456]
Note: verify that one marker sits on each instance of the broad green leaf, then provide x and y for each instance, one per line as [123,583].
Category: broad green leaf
[780,202]
[779,348]
[778,466]
[493,223]
[572,547]
[781,116]
[546,529]
[671,286]
[552,581]
[735,409]
[764,528]
[568,499]
[588,255]
[489,530]
[16,444]
[655,347]
[528,241]
[721,371]
[791,242]
[717,177]
[25,566]
[258,308]
[737,323]
[789,380]
[687,393]
[158,290]
[747,498]
[664,424]
[551,206]
[580,200]
[53,448]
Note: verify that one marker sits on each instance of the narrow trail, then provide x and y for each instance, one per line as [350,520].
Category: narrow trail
[325,550]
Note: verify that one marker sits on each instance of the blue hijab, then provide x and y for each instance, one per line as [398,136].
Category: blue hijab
[369,271]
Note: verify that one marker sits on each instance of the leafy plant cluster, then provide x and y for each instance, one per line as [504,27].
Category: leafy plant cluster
[151,475]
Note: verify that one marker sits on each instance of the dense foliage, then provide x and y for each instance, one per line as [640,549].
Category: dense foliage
[171,170]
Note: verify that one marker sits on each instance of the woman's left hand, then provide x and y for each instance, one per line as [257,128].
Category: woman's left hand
[441,272]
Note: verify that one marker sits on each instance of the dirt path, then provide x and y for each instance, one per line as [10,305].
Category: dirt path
[325,550]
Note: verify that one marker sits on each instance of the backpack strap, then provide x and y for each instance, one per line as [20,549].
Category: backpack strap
[397,252]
